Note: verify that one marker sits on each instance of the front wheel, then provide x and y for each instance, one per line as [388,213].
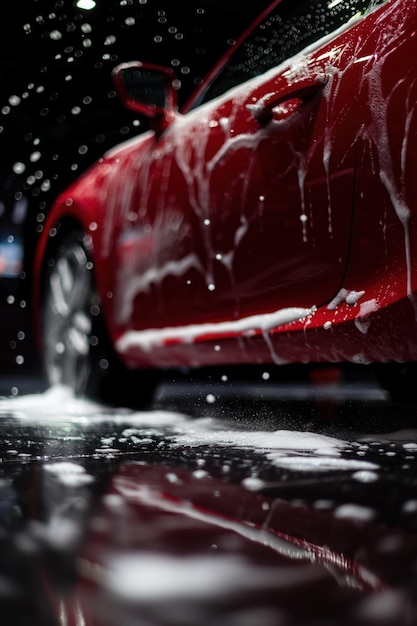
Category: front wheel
[77,352]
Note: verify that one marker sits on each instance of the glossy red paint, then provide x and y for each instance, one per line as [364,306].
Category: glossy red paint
[273,223]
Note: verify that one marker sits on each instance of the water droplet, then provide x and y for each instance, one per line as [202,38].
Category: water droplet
[14,101]
[55,35]
[19,167]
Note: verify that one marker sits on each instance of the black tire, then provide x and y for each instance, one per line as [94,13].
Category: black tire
[77,352]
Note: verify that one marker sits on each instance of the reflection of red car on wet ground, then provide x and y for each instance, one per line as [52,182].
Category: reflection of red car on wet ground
[167,546]
[272,220]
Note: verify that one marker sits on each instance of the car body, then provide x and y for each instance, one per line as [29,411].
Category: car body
[272,219]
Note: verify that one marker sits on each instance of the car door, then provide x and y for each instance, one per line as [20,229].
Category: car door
[249,196]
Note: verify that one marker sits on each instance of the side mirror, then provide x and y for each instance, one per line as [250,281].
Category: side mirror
[147,89]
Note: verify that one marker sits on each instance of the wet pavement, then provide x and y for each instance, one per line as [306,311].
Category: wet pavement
[229,503]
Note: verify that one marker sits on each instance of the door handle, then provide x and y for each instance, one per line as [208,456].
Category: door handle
[280,105]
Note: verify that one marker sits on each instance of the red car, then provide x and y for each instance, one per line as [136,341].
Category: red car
[271,220]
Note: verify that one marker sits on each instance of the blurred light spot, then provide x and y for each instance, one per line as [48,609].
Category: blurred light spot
[55,35]
[14,101]
[19,167]
[87,5]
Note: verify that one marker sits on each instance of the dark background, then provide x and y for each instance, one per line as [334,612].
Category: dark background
[59,113]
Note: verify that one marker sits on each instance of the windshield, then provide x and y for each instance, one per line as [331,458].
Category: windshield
[290,27]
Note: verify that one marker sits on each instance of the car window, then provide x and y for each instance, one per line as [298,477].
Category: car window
[291,26]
